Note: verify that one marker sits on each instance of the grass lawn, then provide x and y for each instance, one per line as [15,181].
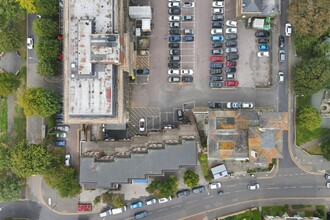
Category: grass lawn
[3,115]
[274,210]
[248,215]
[314,150]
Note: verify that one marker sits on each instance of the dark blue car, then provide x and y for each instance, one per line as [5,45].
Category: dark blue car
[188,38]
[174,38]
[216,65]
[263,47]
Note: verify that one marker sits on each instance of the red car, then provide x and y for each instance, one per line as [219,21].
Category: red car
[231,63]
[217,58]
[230,83]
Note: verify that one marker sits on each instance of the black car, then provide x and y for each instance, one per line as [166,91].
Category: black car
[217,44]
[175,52]
[216,65]
[198,189]
[231,37]
[230,70]
[232,56]
[183,193]
[187,18]
[140,215]
[217,24]
[281,41]
[231,43]
[217,18]
[142,71]
[262,34]
[173,65]
[187,79]
[214,84]
[174,11]
[263,41]
[175,32]
[216,78]
[173,45]
[214,104]
[59,120]
[215,71]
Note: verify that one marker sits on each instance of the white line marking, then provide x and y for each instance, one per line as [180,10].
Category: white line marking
[192,201]
[240,191]
[290,187]
[176,206]
[306,186]
[161,210]
[274,188]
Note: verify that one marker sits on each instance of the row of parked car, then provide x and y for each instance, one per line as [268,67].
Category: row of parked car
[176,36]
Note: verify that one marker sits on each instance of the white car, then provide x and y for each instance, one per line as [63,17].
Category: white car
[215,185]
[231,50]
[216,31]
[280,77]
[173,4]
[288,29]
[151,201]
[327,176]
[231,23]
[163,200]
[187,72]
[62,128]
[231,30]
[173,72]
[174,18]
[61,135]
[142,127]
[254,186]
[29,43]
[328,185]
[247,105]
[67,160]
[263,54]
[188,4]
[218,4]
[218,10]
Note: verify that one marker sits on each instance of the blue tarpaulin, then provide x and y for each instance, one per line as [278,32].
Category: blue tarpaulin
[140,181]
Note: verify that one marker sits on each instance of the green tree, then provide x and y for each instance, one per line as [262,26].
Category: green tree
[10,188]
[47,68]
[39,101]
[311,75]
[8,83]
[29,159]
[47,7]
[308,118]
[304,44]
[322,49]
[113,199]
[310,17]
[29,5]
[163,188]
[4,157]
[10,41]
[47,49]
[9,10]
[325,146]
[190,178]
[45,28]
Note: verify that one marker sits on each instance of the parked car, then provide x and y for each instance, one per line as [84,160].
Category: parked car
[174,11]
[231,30]
[263,47]
[174,58]
[328,185]
[142,71]
[263,40]
[281,41]
[214,104]
[231,83]
[151,201]
[216,65]
[59,120]
[218,11]
[183,193]
[105,213]
[174,52]
[163,200]
[61,135]
[217,17]
[62,128]
[198,189]
[216,31]
[174,25]
[280,77]
[174,38]
[118,210]
[217,52]
[217,24]
[215,71]
[263,54]
[188,31]
[281,56]
[288,29]
[214,185]
[173,65]
[140,215]
[231,36]
[231,43]
[135,205]
[216,78]
[217,58]
[247,105]
[187,79]
[142,125]
[173,72]
[230,70]
[179,114]
[173,45]
[232,56]
[174,18]
[217,44]
[187,18]
[173,79]
[60,143]
[327,176]
[187,72]
[234,105]
[231,50]
[217,38]
[188,4]
[262,34]
[29,43]
[173,4]
[67,160]
[175,32]
[215,84]
[231,23]
[230,76]
[188,38]
[218,4]
[231,63]
[254,186]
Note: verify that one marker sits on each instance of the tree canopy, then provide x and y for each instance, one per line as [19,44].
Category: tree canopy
[4,157]
[163,188]
[113,199]
[308,118]
[45,28]
[47,49]
[47,68]
[47,7]
[190,178]
[39,101]
[325,146]
[10,9]
[10,40]
[29,5]
[10,188]
[8,83]
[29,159]
[311,75]
[310,17]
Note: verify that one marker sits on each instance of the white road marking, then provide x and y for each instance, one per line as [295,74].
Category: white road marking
[176,206]
[306,186]
[290,187]
[192,201]
[274,188]
[240,191]
[161,210]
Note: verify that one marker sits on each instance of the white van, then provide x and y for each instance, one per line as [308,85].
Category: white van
[106,213]
[118,210]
